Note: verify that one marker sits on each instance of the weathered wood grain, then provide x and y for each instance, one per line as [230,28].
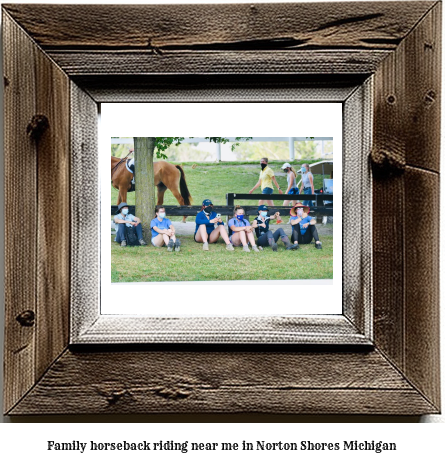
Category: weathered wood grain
[84,205]
[112,329]
[399,377]
[406,132]
[422,97]
[20,211]
[422,364]
[223,382]
[388,275]
[53,212]
[220,88]
[389,139]
[408,86]
[79,63]
[357,209]
[375,25]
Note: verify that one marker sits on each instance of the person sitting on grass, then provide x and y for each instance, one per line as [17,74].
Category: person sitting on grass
[209,226]
[163,232]
[126,220]
[240,231]
[264,235]
[303,226]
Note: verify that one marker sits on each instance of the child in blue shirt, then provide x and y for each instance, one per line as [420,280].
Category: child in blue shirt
[303,226]
[163,232]
[209,226]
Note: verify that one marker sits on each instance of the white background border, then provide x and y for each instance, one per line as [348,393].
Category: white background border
[317,297]
[425,445]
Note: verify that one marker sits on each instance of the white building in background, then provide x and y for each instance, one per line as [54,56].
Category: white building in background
[223,152]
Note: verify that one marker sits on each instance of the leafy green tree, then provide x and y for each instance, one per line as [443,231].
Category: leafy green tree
[188,152]
[257,150]
[144,151]
[306,149]
[120,150]
[328,147]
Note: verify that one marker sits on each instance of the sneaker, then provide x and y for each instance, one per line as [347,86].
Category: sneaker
[230,247]
[142,242]
[318,246]
[205,246]
[124,244]
[293,247]
[255,248]
[170,245]
[177,245]
[260,248]
[246,248]
[274,246]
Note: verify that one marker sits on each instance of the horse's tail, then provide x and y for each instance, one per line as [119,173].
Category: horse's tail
[183,188]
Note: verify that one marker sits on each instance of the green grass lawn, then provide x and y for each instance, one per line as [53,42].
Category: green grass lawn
[215,180]
[146,264]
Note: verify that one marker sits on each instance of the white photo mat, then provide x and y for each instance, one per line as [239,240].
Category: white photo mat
[284,297]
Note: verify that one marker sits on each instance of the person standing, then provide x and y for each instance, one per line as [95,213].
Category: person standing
[267,177]
[307,181]
[209,226]
[124,219]
[292,188]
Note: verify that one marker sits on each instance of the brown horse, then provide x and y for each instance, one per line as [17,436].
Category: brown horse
[167,176]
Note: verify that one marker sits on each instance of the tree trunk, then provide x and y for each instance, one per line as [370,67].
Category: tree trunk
[145,182]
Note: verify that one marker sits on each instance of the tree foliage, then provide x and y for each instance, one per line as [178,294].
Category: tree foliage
[163,143]
[306,149]
[256,150]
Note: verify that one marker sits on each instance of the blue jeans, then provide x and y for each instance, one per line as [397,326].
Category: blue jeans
[308,191]
[120,235]
[267,191]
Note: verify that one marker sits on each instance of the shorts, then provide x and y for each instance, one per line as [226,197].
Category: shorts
[152,242]
[294,191]
[267,191]
[230,239]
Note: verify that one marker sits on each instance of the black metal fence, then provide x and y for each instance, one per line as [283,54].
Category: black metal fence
[320,209]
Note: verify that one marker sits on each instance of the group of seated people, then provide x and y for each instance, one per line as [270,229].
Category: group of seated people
[210,226]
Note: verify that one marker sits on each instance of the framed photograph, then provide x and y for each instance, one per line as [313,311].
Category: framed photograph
[256,288]
[71,346]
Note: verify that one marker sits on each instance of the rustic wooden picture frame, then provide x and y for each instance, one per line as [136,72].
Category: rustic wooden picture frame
[66,63]
[92,323]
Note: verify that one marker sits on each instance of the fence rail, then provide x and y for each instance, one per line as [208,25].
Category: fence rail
[319,198]
[192,210]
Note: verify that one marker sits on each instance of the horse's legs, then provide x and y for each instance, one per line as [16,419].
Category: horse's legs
[122,197]
[161,190]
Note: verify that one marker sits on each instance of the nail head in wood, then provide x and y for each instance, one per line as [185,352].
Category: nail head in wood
[387,163]
[26,318]
[430,97]
[37,126]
